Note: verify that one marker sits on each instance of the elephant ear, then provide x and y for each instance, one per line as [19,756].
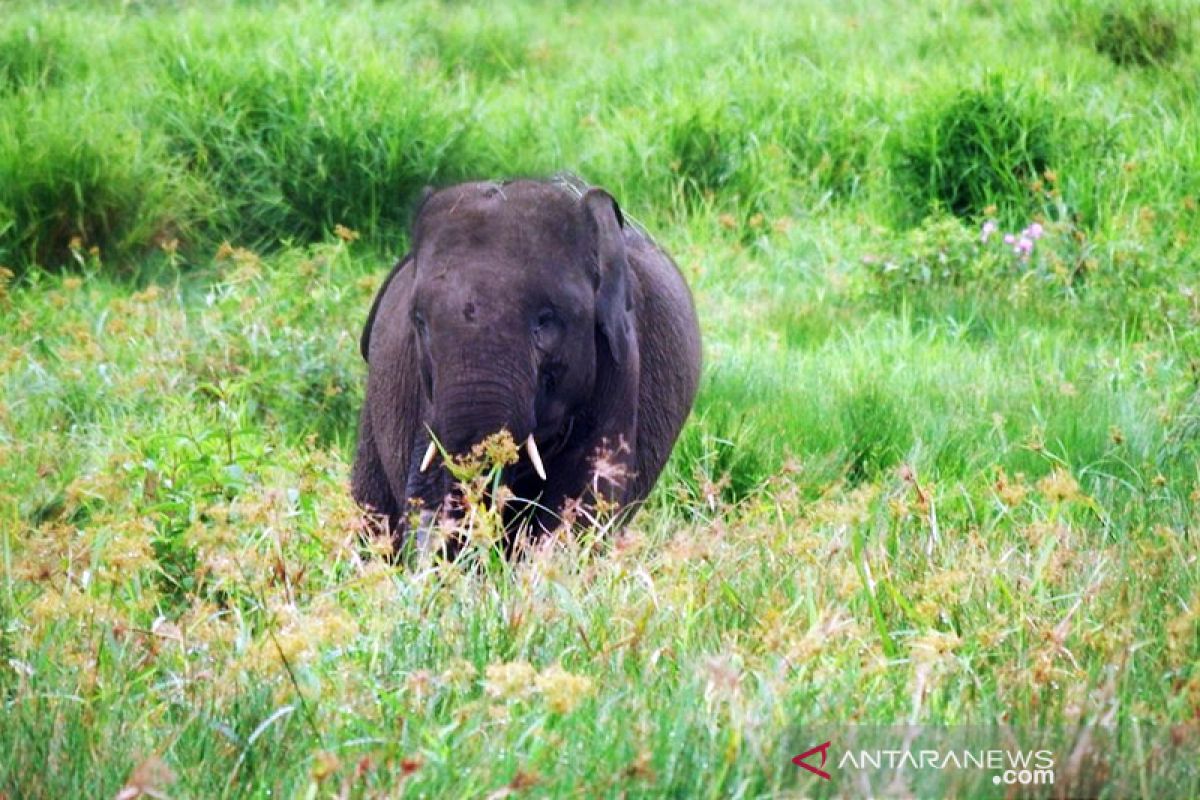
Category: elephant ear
[364,342]
[613,300]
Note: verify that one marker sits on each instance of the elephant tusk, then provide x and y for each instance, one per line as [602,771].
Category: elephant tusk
[429,454]
[535,457]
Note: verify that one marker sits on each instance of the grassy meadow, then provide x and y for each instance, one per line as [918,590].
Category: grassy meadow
[932,476]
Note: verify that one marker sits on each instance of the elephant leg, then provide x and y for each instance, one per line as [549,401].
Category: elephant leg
[369,483]
[427,492]
[590,483]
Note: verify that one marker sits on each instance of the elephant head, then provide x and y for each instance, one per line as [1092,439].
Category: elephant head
[508,310]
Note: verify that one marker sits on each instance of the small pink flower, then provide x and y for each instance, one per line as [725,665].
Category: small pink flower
[989,228]
[1010,239]
[1035,231]
[1023,247]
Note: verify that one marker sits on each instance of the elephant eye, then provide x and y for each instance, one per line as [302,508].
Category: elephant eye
[545,318]
[419,322]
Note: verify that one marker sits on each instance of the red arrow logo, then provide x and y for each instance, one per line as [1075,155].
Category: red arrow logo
[800,762]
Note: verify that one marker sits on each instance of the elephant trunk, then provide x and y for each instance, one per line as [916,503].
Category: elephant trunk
[473,405]
[464,413]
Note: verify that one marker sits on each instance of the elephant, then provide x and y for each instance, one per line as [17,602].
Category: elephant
[530,306]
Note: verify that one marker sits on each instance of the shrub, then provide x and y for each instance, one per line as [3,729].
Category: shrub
[943,256]
[72,177]
[941,252]
[982,148]
[1142,37]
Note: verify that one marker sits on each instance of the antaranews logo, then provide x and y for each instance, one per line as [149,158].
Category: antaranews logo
[1012,766]
[992,762]
[823,749]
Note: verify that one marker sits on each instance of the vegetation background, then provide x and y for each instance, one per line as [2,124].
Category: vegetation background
[933,476]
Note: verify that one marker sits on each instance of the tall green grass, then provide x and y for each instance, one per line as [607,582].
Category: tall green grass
[128,126]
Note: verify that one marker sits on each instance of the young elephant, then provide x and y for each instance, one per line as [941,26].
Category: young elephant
[528,306]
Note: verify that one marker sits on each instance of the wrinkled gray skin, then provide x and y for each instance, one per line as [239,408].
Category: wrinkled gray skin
[529,306]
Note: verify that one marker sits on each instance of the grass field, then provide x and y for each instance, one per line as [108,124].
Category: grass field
[931,477]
